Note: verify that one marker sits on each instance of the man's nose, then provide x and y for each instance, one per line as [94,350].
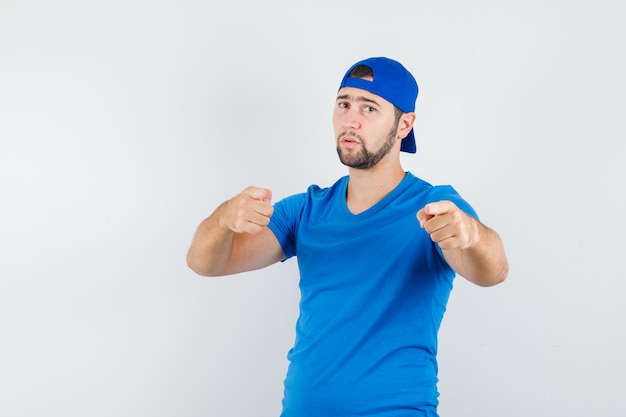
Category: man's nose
[352,119]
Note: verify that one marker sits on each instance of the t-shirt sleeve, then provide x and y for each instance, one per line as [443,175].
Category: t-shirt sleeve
[285,220]
[447,192]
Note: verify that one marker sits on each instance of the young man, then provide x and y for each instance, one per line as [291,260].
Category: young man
[377,253]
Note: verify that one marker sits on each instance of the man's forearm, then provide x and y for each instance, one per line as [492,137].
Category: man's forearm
[211,246]
[484,263]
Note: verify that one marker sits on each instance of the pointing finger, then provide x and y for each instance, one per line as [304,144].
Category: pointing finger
[261,194]
[265,196]
[437,208]
[422,217]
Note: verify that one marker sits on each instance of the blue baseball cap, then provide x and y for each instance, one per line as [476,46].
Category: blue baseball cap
[393,83]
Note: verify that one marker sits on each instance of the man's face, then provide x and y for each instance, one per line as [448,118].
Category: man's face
[365,127]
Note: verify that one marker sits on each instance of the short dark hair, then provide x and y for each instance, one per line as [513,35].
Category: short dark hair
[361,71]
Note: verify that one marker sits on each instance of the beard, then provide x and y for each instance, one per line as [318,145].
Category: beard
[365,159]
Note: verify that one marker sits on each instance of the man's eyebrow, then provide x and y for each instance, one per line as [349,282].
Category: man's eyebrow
[357,98]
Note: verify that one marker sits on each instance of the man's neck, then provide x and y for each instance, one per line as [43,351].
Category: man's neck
[367,187]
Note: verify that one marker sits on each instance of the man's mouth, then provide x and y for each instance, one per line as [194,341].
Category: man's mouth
[349,140]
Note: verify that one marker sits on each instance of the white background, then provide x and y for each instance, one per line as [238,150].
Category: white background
[124,123]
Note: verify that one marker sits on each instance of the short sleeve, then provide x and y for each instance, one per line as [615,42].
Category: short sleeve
[285,221]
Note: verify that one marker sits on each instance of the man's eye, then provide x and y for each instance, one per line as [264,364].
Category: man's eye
[369,109]
[343,105]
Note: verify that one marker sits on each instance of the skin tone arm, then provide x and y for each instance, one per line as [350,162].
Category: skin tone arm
[472,249]
[235,238]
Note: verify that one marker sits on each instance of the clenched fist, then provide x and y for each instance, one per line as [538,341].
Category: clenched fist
[248,212]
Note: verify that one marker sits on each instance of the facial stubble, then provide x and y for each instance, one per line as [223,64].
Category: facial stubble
[366,159]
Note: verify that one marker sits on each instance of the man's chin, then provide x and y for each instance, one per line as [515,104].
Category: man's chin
[347,158]
[353,161]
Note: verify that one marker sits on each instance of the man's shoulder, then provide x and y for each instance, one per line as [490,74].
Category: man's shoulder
[422,185]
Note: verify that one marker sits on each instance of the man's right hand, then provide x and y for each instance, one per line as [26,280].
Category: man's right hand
[248,212]
[235,237]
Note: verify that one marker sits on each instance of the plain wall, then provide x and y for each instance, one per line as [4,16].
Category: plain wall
[124,123]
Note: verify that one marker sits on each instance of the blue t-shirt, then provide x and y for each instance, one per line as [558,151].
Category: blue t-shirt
[374,289]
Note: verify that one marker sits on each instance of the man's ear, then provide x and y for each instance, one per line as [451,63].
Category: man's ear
[406,124]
